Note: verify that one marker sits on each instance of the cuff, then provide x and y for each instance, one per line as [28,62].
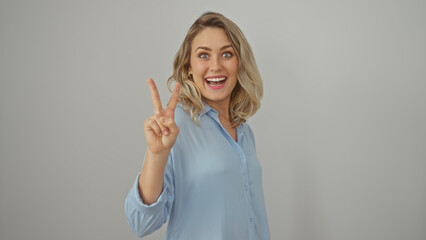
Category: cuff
[149,209]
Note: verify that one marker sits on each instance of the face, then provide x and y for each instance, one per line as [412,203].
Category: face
[214,65]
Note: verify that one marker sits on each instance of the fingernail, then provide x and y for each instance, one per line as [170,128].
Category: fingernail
[166,133]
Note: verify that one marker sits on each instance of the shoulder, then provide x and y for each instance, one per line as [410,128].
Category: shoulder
[187,131]
[248,134]
[181,116]
[183,119]
[247,129]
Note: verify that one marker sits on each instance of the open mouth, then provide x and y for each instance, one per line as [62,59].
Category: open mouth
[216,82]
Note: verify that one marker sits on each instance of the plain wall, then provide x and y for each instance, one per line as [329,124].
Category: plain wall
[341,134]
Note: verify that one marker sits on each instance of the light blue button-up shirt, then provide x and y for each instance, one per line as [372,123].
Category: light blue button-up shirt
[212,185]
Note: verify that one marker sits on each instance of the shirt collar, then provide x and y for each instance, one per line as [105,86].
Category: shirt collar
[215,115]
[207,109]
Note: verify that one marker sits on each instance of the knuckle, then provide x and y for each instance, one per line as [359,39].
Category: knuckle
[147,122]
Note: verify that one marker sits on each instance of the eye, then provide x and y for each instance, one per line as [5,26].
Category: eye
[203,55]
[227,55]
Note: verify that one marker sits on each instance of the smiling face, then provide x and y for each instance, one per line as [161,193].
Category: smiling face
[214,65]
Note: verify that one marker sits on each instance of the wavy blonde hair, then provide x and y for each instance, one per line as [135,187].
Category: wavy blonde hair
[246,96]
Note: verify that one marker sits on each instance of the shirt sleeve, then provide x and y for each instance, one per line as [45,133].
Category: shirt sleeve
[144,219]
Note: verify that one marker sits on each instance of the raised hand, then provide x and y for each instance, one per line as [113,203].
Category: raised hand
[160,129]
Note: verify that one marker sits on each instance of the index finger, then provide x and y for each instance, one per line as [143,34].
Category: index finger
[155,97]
[174,98]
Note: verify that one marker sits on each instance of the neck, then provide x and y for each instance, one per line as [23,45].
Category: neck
[221,107]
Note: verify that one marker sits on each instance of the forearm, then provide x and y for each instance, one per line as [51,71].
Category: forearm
[151,177]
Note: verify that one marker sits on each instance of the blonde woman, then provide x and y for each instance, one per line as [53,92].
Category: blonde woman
[201,172]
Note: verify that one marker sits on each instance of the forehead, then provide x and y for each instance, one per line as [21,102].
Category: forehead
[210,37]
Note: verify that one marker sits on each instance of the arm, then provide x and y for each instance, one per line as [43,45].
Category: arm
[145,219]
[145,208]
[160,132]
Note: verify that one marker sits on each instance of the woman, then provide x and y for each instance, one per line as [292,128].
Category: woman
[200,168]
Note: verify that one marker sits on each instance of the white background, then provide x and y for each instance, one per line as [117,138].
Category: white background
[341,134]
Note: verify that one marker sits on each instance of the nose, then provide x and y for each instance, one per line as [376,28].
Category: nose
[215,64]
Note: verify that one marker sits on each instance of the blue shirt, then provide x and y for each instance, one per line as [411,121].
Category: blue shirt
[212,185]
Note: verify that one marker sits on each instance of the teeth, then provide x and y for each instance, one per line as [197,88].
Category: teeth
[215,79]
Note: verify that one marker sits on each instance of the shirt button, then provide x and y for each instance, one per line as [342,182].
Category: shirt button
[245,188]
[251,220]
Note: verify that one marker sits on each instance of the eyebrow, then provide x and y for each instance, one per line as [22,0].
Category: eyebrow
[208,49]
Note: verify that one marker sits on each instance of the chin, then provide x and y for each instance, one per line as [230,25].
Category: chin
[216,99]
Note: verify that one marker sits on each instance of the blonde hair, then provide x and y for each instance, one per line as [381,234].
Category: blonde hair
[246,96]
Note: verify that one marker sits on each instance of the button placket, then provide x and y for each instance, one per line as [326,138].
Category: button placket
[243,166]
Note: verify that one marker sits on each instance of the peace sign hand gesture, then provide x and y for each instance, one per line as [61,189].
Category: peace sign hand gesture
[160,129]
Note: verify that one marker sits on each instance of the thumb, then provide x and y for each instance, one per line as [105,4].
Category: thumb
[170,124]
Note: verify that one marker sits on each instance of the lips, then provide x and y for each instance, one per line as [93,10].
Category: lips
[216,82]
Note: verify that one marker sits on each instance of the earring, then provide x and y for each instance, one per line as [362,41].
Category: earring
[190,75]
